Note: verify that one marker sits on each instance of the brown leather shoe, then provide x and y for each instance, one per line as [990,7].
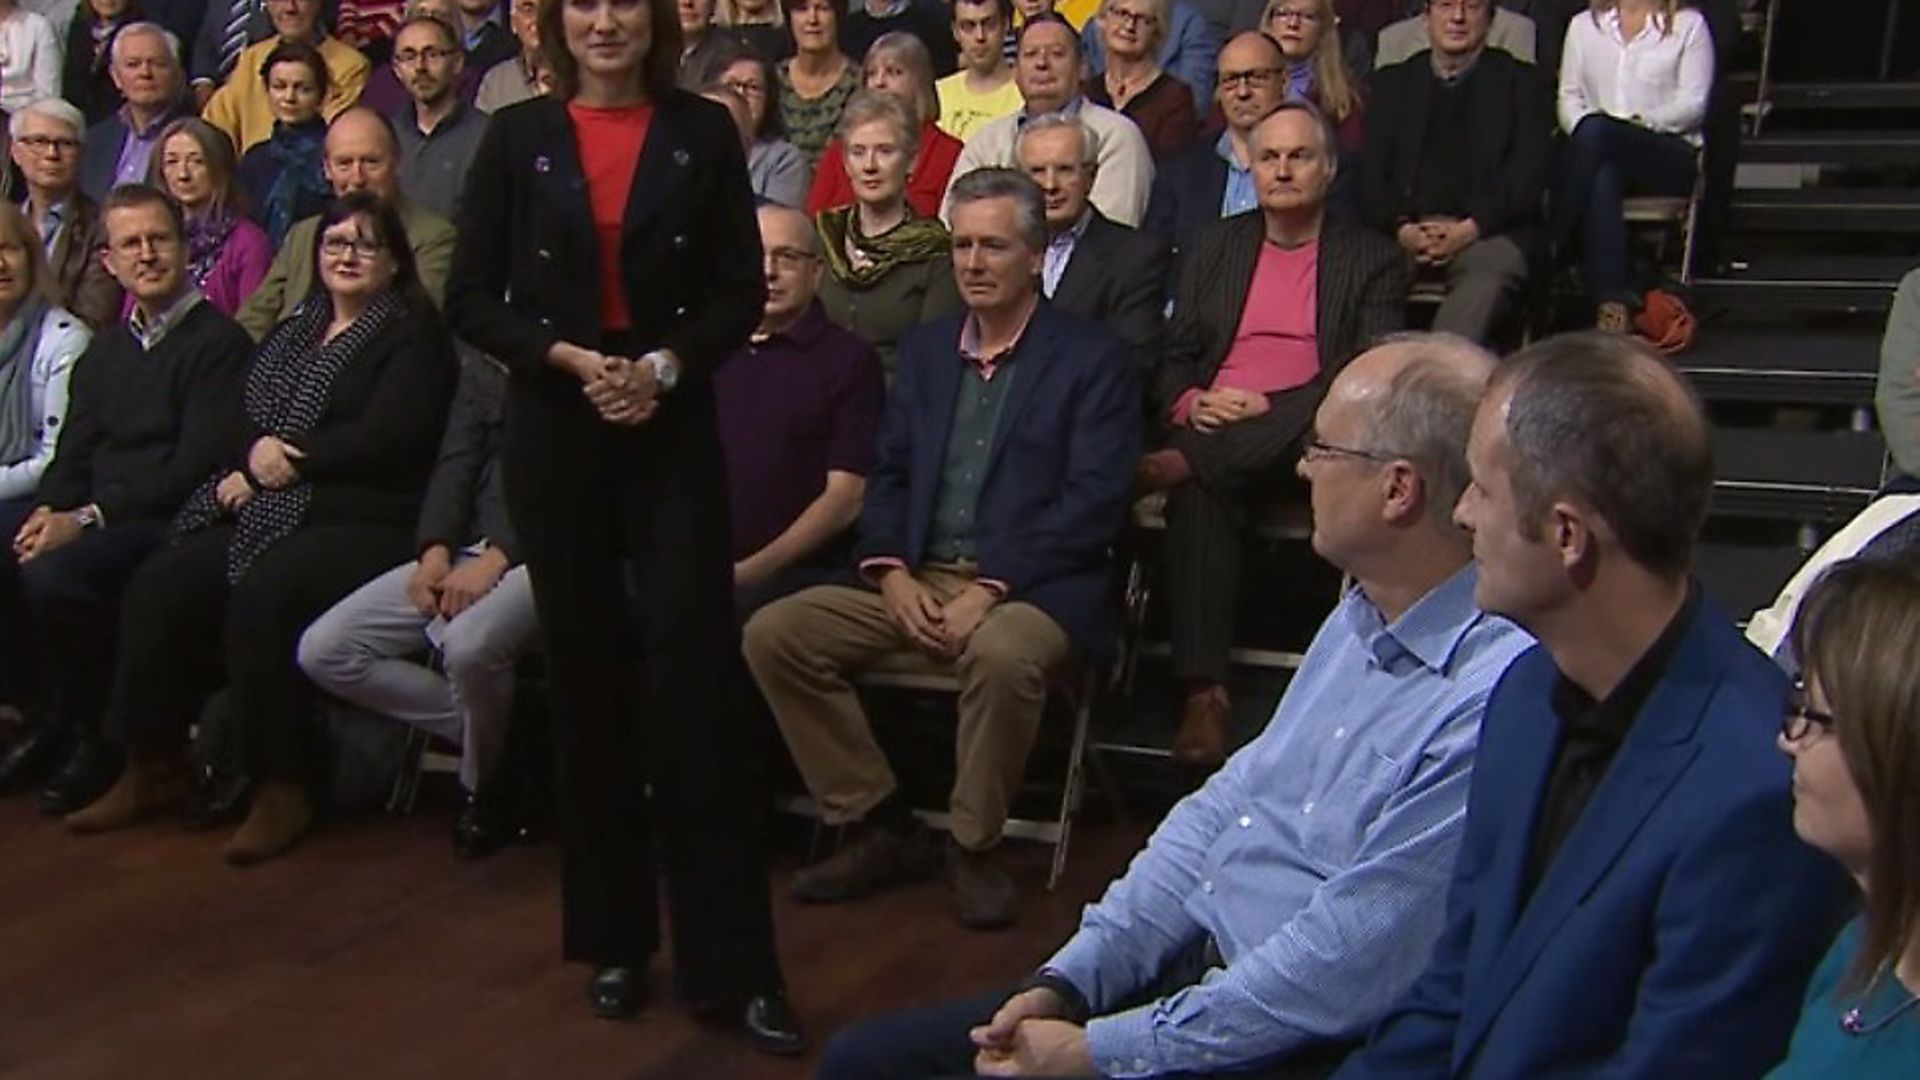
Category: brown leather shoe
[281,814]
[870,860]
[984,897]
[1202,738]
[145,788]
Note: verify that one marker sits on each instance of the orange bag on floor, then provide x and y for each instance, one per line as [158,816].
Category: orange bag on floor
[1665,322]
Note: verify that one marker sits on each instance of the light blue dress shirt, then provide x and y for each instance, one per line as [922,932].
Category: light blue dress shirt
[1059,253]
[1238,196]
[1317,858]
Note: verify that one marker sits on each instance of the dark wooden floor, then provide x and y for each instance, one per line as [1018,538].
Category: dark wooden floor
[369,952]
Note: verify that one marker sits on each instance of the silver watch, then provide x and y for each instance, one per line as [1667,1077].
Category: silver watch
[666,371]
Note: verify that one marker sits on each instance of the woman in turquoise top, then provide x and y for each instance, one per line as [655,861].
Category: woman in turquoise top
[1853,732]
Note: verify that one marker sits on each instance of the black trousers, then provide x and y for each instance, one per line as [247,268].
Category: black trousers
[624,532]
[181,622]
[1236,470]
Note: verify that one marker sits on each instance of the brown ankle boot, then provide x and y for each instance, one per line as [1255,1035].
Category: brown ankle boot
[146,787]
[1202,738]
[281,814]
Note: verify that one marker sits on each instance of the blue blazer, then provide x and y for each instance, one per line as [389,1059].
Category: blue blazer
[1675,929]
[1059,473]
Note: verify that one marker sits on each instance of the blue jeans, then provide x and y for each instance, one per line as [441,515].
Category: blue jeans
[1603,162]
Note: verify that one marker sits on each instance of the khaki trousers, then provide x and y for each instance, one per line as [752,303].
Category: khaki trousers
[805,650]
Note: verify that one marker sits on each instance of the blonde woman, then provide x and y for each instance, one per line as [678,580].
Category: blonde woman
[39,343]
[1134,84]
[1309,35]
[897,64]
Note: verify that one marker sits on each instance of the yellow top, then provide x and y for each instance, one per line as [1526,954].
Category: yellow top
[1077,12]
[240,107]
[962,110]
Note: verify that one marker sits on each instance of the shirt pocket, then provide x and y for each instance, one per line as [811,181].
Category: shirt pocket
[1357,782]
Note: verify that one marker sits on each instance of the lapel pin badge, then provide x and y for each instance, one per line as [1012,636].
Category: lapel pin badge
[680,157]
[543,164]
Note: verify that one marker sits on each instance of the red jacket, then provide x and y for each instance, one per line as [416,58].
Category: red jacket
[926,183]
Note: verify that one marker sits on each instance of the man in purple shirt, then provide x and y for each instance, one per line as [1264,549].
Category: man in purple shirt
[146,69]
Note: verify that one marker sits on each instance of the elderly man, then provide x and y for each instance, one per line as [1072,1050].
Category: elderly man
[144,61]
[520,76]
[153,400]
[983,89]
[1277,912]
[438,132]
[984,537]
[1109,273]
[1271,306]
[1213,177]
[362,155]
[1630,898]
[47,139]
[240,107]
[1049,72]
[1456,164]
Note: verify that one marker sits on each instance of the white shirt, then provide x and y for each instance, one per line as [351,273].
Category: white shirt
[29,60]
[62,339]
[1659,81]
[1125,176]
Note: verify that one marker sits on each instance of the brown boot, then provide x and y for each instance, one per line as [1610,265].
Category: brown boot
[1202,738]
[146,787]
[872,859]
[984,897]
[282,813]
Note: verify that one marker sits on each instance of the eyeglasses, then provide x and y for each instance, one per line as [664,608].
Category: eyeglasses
[1802,720]
[1134,18]
[1316,450]
[1255,79]
[1294,15]
[748,87]
[41,144]
[428,55]
[786,258]
[334,247]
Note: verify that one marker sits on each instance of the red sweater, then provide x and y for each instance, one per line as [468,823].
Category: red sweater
[926,183]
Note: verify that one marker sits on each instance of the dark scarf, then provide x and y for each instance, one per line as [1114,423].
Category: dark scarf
[914,240]
[296,152]
[19,422]
[206,234]
[288,388]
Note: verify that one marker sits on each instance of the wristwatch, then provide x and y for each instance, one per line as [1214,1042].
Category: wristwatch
[666,370]
[87,517]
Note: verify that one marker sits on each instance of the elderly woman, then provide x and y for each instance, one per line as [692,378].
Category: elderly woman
[897,64]
[817,80]
[283,176]
[776,168]
[227,254]
[1626,134]
[86,74]
[1309,35]
[1853,732]
[342,414]
[888,270]
[1133,83]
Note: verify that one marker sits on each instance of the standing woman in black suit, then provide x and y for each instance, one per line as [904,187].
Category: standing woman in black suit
[609,255]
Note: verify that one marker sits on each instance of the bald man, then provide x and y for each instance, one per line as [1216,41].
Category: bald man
[1279,910]
[362,154]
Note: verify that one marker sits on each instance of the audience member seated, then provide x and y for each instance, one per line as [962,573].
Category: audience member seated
[776,168]
[152,398]
[315,492]
[888,269]
[1213,177]
[1011,423]
[983,89]
[86,77]
[225,29]
[1456,165]
[1050,75]
[1896,395]
[1850,730]
[240,107]
[30,57]
[761,25]
[1634,77]
[897,64]
[1629,898]
[282,176]
[799,409]
[387,91]
[1886,530]
[1133,83]
[817,80]
[146,70]
[1106,273]
[46,139]
[1271,306]
[522,76]
[1184,48]
[484,36]
[226,255]
[1307,31]
[367,25]
[700,41]
[1511,33]
[1292,898]
[362,155]
[466,600]
[438,132]
[927,20]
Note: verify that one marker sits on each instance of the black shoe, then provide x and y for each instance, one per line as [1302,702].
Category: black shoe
[31,760]
[769,1026]
[89,771]
[216,801]
[615,992]
[983,896]
[486,824]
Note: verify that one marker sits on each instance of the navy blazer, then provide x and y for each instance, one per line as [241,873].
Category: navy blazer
[100,156]
[1059,474]
[1673,933]
[1187,189]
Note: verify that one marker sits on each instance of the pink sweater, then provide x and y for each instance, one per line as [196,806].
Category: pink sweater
[1275,347]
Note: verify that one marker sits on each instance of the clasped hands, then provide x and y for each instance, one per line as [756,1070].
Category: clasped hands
[271,463]
[1216,408]
[622,390]
[1435,242]
[939,630]
[1027,1037]
[45,530]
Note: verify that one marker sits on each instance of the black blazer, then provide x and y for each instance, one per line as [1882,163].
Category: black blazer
[1510,109]
[465,500]
[1362,295]
[1187,189]
[1118,278]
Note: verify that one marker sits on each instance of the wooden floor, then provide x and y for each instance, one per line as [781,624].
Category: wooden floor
[369,952]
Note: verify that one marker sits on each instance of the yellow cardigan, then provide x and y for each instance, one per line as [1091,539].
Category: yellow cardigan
[240,107]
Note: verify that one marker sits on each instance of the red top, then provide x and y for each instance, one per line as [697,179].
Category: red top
[926,182]
[1276,346]
[609,142]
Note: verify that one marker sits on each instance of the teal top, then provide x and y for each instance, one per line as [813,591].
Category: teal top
[1823,1050]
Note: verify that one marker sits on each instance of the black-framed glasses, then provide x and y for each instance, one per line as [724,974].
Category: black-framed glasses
[1254,79]
[1801,719]
[1316,449]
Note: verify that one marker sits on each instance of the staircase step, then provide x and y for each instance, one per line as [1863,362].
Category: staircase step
[1780,283]
[1782,364]
[1833,148]
[1803,476]
[1870,210]
[1845,95]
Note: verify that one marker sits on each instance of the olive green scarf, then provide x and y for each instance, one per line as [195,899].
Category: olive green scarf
[916,239]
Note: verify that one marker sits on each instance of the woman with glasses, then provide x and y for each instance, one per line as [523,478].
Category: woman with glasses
[817,80]
[1316,71]
[898,65]
[1133,83]
[227,255]
[282,176]
[776,169]
[1852,729]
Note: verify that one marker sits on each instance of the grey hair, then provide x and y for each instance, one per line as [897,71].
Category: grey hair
[1162,15]
[52,108]
[912,54]
[1329,136]
[810,234]
[1053,121]
[1427,412]
[166,35]
[868,106]
[1029,206]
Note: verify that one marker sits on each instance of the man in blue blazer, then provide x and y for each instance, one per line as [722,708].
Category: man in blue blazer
[1006,458]
[1630,899]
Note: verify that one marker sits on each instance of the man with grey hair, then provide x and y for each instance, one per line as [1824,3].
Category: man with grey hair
[1277,912]
[1112,274]
[1002,481]
[144,62]
[47,137]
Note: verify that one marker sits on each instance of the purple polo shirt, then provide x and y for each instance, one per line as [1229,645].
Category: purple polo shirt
[793,407]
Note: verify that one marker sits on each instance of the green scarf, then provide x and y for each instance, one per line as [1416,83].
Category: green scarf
[914,240]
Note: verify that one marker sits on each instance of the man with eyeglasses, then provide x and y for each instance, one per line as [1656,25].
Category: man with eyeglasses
[438,132]
[46,139]
[1278,911]
[144,62]
[1456,165]
[240,106]
[1213,177]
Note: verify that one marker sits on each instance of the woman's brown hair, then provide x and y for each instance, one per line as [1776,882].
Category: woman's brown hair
[15,226]
[660,68]
[215,149]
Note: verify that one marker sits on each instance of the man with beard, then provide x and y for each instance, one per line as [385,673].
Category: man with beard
[437,131]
